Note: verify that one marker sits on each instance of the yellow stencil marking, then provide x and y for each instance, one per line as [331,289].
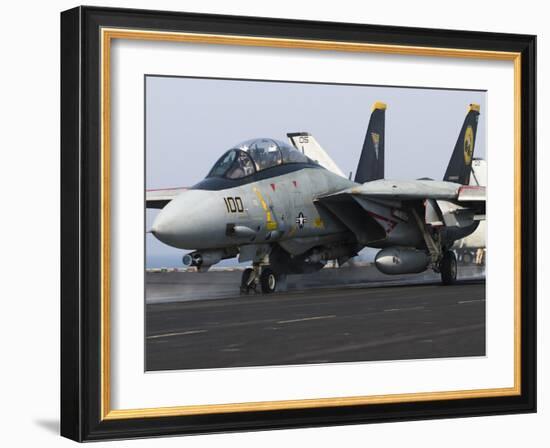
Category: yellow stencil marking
[318,223]
[270,223]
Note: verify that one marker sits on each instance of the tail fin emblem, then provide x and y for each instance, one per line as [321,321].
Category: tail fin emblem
[376,142]
[468,145]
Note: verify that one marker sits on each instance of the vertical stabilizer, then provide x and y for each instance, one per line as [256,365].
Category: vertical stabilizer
[460,165]
[371,162]
[308,145]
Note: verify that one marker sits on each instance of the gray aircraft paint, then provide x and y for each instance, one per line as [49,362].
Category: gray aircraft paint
[191,122]
[282,201]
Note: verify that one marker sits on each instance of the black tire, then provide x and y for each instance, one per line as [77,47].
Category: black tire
[268,281]
[246,284]
[449,268]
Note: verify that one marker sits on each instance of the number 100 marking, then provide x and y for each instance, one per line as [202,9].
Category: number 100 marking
[234,205]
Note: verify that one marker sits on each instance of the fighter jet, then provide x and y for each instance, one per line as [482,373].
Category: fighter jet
[268,203]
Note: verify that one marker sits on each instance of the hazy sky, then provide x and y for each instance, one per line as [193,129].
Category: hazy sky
[191,122]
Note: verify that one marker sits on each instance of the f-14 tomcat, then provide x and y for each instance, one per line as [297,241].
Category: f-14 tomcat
[268,203]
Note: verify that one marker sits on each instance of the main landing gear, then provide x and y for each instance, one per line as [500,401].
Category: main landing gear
[263,277]
[448,268]
[268,281]
[442,259]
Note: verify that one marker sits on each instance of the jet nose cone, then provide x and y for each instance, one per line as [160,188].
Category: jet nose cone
[159,226]
[163,225]
[155,228]
[192,220]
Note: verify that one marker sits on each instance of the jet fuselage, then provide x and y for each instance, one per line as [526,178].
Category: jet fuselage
[279,209]
[274,209]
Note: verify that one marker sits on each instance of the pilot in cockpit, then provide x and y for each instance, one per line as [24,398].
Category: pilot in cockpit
[241,167]
[246,164]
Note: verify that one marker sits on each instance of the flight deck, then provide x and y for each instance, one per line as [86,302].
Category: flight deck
[199,320]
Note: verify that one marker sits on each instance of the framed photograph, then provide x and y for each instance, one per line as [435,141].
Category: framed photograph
[275,224]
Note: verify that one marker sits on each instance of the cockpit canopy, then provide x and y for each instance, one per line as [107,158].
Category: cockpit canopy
[255,155]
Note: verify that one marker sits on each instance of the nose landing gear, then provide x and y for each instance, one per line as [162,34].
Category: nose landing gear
[248,281]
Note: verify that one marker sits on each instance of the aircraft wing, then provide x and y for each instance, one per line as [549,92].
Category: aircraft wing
[160,197]
[418,190]
[369,208]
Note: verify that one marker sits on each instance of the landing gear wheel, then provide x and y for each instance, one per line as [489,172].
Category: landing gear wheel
[448,268]
[247,281]
[268,281]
